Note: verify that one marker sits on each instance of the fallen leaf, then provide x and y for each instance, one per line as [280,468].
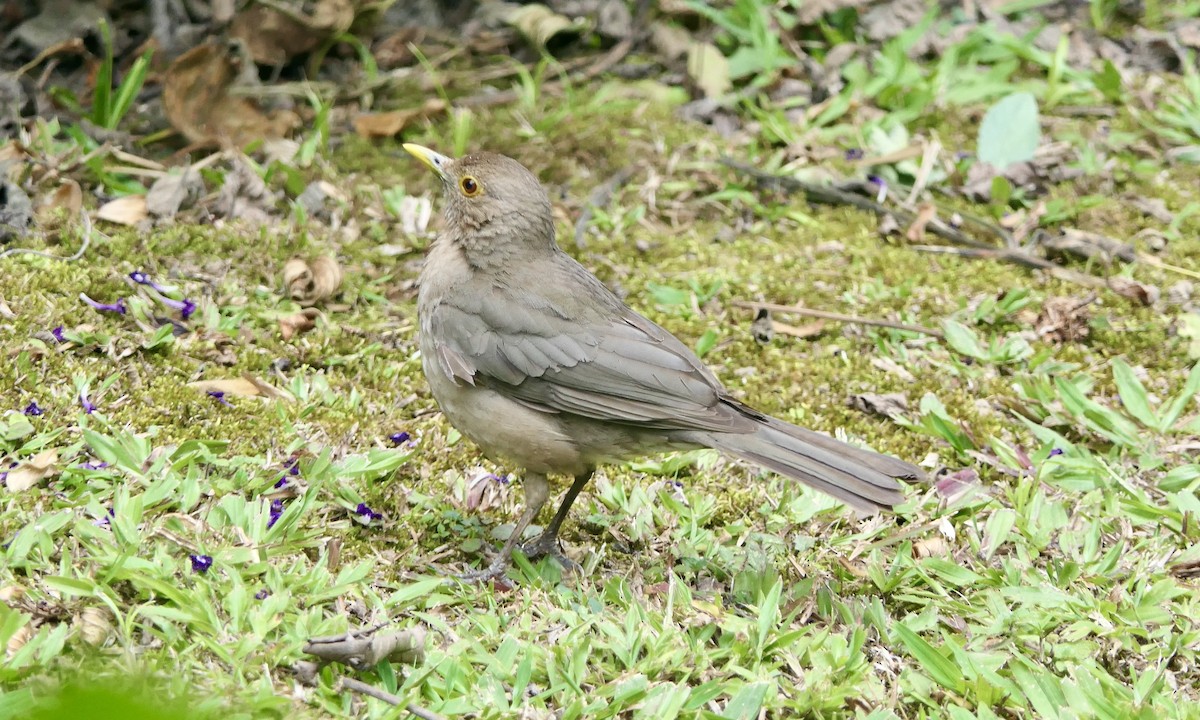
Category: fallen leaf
[671,41]
[309,282]
[1064,319]
[64,203]
[708,69]
[129,210]
[239,387]
[299,323]
[29,473]
[274,37]
[889,405]
[539,23]
[1130,288]
[803,332]
[389,124]
[199,101]
[95,625]
[926,213]
[172,192]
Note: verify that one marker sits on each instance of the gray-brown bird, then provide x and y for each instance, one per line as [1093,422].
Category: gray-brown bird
[531,357]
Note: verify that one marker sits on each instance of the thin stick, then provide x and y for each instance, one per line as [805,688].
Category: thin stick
[87,240]
[371,691]
[838,317]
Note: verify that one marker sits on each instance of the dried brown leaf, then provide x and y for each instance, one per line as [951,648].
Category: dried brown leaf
[129,210]
[1130,288]
[29,473]
[198,101]
[299,323]
[926,213]
[809,330]
[240,387]
[274,37]
[65,202]
[310,282]
[708,69]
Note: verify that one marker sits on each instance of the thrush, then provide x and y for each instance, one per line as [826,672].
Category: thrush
[534,360]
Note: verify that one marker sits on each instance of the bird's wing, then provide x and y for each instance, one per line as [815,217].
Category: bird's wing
[619,367]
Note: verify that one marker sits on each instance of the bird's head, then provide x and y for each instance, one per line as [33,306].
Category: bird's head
[490,199]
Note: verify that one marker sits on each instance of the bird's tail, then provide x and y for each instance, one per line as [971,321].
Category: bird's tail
[864,479]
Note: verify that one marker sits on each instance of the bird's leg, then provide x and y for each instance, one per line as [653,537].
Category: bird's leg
[547,544]
[537,490]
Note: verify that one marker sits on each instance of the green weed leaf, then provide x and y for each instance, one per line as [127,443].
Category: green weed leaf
[1010,132]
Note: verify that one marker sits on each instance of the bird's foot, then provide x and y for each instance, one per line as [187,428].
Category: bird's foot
[496,569]
[548,546]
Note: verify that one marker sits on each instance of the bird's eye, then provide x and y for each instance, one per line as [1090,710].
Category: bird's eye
[469,185]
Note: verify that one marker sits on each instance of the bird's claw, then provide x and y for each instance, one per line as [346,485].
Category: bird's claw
[548,546]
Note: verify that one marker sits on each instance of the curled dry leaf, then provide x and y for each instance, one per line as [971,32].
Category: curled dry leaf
[172,192]
[888,405]
[539,23]
[245,386]
[368,648]
[808,330]
[299,323]
[18,639]
[128,210]
[276,33]
[95,625]
[310,282]
[708,69]
[1134,290]
[64,203]
[32,471]
[1064,319]
[389,124]
[926,213]
[199,101]
[484,492]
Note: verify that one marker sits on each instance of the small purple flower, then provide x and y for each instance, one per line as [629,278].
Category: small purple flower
[219,396]
[276,512]
[876,180]
[185,307]
[105,521]
[89,407]
[854,154]
[118,307]
[94,465]
[363,511]
[32,409]
[58,334]
[399,438]
[292,468]
[1056,451]
[502,479]
[262,595]
[201,563]
[142,278]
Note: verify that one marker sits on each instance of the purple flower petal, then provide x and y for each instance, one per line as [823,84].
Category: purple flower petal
[262,595]
[89,407]
[117,307]
[32,409]
[58,334]
[201,563]
[363,511]
[219,396]
[185,307]
[94,465]
[854,154]
[276,512]
[1056,451]
[142,278]
[399,438]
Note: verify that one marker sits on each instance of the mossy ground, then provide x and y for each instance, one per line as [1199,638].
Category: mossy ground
[677,597]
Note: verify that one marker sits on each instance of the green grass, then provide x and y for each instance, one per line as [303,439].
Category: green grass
[1050,588]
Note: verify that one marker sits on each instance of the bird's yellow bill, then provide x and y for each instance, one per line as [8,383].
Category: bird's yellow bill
[436,161]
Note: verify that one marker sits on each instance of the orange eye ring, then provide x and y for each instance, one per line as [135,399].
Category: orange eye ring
[469,186]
